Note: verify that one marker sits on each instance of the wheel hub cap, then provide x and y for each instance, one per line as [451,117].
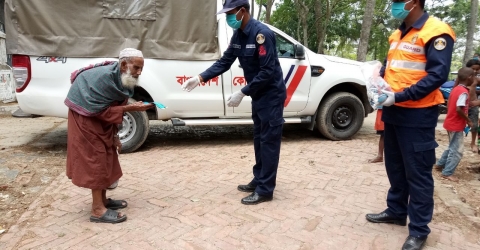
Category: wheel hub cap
[342,117]
[128,128]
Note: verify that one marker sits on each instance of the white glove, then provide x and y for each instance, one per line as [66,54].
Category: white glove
[191,83]
[387,98]
[235,99]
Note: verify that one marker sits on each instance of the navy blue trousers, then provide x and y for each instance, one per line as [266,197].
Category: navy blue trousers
[409,159]
[267,137]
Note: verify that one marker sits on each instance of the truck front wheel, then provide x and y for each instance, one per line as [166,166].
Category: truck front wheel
[134,130]
[340,116]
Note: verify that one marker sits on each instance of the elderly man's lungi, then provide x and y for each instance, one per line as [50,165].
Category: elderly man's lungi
[92,160]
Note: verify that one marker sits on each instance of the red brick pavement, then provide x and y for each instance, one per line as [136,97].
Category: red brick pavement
[185,197]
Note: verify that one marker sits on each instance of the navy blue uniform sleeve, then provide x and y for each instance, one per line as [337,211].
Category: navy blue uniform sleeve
[437,67]
[382,70]
[221,65]
[267,58]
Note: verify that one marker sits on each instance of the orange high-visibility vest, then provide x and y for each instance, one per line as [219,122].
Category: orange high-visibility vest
[406,60]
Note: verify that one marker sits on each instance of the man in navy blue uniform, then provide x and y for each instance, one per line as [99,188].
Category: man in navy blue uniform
[253,43]
[418,63]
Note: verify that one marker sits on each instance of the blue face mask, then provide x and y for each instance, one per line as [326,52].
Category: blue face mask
[399,11]
[233,22]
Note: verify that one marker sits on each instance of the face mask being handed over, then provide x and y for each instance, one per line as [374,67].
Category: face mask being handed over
[399,11]
[233,22]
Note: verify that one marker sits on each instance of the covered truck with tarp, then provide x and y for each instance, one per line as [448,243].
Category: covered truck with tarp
[50,39]
[162,29]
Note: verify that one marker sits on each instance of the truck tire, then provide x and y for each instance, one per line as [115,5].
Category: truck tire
[134,130]
[340,116]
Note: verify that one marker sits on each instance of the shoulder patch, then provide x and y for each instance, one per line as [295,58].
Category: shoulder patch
[440,43]
[260,38]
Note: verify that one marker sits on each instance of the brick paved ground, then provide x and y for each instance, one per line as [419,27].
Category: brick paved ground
[182,195]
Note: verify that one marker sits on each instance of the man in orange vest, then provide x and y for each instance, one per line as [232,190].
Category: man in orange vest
[418,63]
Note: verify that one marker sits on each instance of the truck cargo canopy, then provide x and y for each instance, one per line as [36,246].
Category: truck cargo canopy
[164,29]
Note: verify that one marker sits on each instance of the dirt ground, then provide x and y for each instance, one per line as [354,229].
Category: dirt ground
[466,189]
[35,169]
[468,173]
[32,168]
[466,194]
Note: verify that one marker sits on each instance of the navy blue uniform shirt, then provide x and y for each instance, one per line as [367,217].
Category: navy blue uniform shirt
[261,68]
[438,68]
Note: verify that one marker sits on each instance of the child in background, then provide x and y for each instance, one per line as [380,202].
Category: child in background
[379,127]
[474,103]
[478,136]
[457,118]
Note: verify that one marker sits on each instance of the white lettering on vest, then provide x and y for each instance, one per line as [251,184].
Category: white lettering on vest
[412,48]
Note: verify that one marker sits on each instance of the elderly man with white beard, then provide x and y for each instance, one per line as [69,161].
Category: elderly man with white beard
[96,101]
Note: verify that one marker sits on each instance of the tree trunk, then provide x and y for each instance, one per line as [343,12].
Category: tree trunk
[268,12]
[365,32]
[323,28]
[319,24]
[252,8]
[298,31]
[471,31]
[259,9]
[303,12]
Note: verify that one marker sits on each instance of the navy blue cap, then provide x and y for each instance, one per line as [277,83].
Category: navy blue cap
[229,5]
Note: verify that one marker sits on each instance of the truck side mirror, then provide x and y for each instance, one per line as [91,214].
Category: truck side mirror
[299,51]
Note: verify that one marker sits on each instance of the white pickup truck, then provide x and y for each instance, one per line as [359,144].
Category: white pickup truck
[326,92]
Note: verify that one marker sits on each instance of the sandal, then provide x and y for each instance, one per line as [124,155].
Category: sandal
[109,217]
[115,204]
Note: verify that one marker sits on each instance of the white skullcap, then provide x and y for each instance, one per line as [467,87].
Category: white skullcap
[129,52]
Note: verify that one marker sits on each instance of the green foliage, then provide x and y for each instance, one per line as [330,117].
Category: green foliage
[344,24]
[285,18]
[456,14]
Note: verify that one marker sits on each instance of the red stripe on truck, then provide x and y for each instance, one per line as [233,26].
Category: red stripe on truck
[297,78]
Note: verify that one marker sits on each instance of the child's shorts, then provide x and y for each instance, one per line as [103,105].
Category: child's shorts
[473,116]
[379,125]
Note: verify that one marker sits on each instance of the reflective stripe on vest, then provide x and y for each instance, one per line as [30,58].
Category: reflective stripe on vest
[399,64]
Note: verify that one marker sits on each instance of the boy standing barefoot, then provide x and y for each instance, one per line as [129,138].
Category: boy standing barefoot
[379,127]
[457,118]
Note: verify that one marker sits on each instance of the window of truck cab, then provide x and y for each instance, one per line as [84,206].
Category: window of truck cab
[285,48]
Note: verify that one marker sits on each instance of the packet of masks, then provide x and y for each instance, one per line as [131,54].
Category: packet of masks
[159,105]
[375,83]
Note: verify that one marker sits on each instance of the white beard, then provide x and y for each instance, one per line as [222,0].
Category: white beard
[128,81]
